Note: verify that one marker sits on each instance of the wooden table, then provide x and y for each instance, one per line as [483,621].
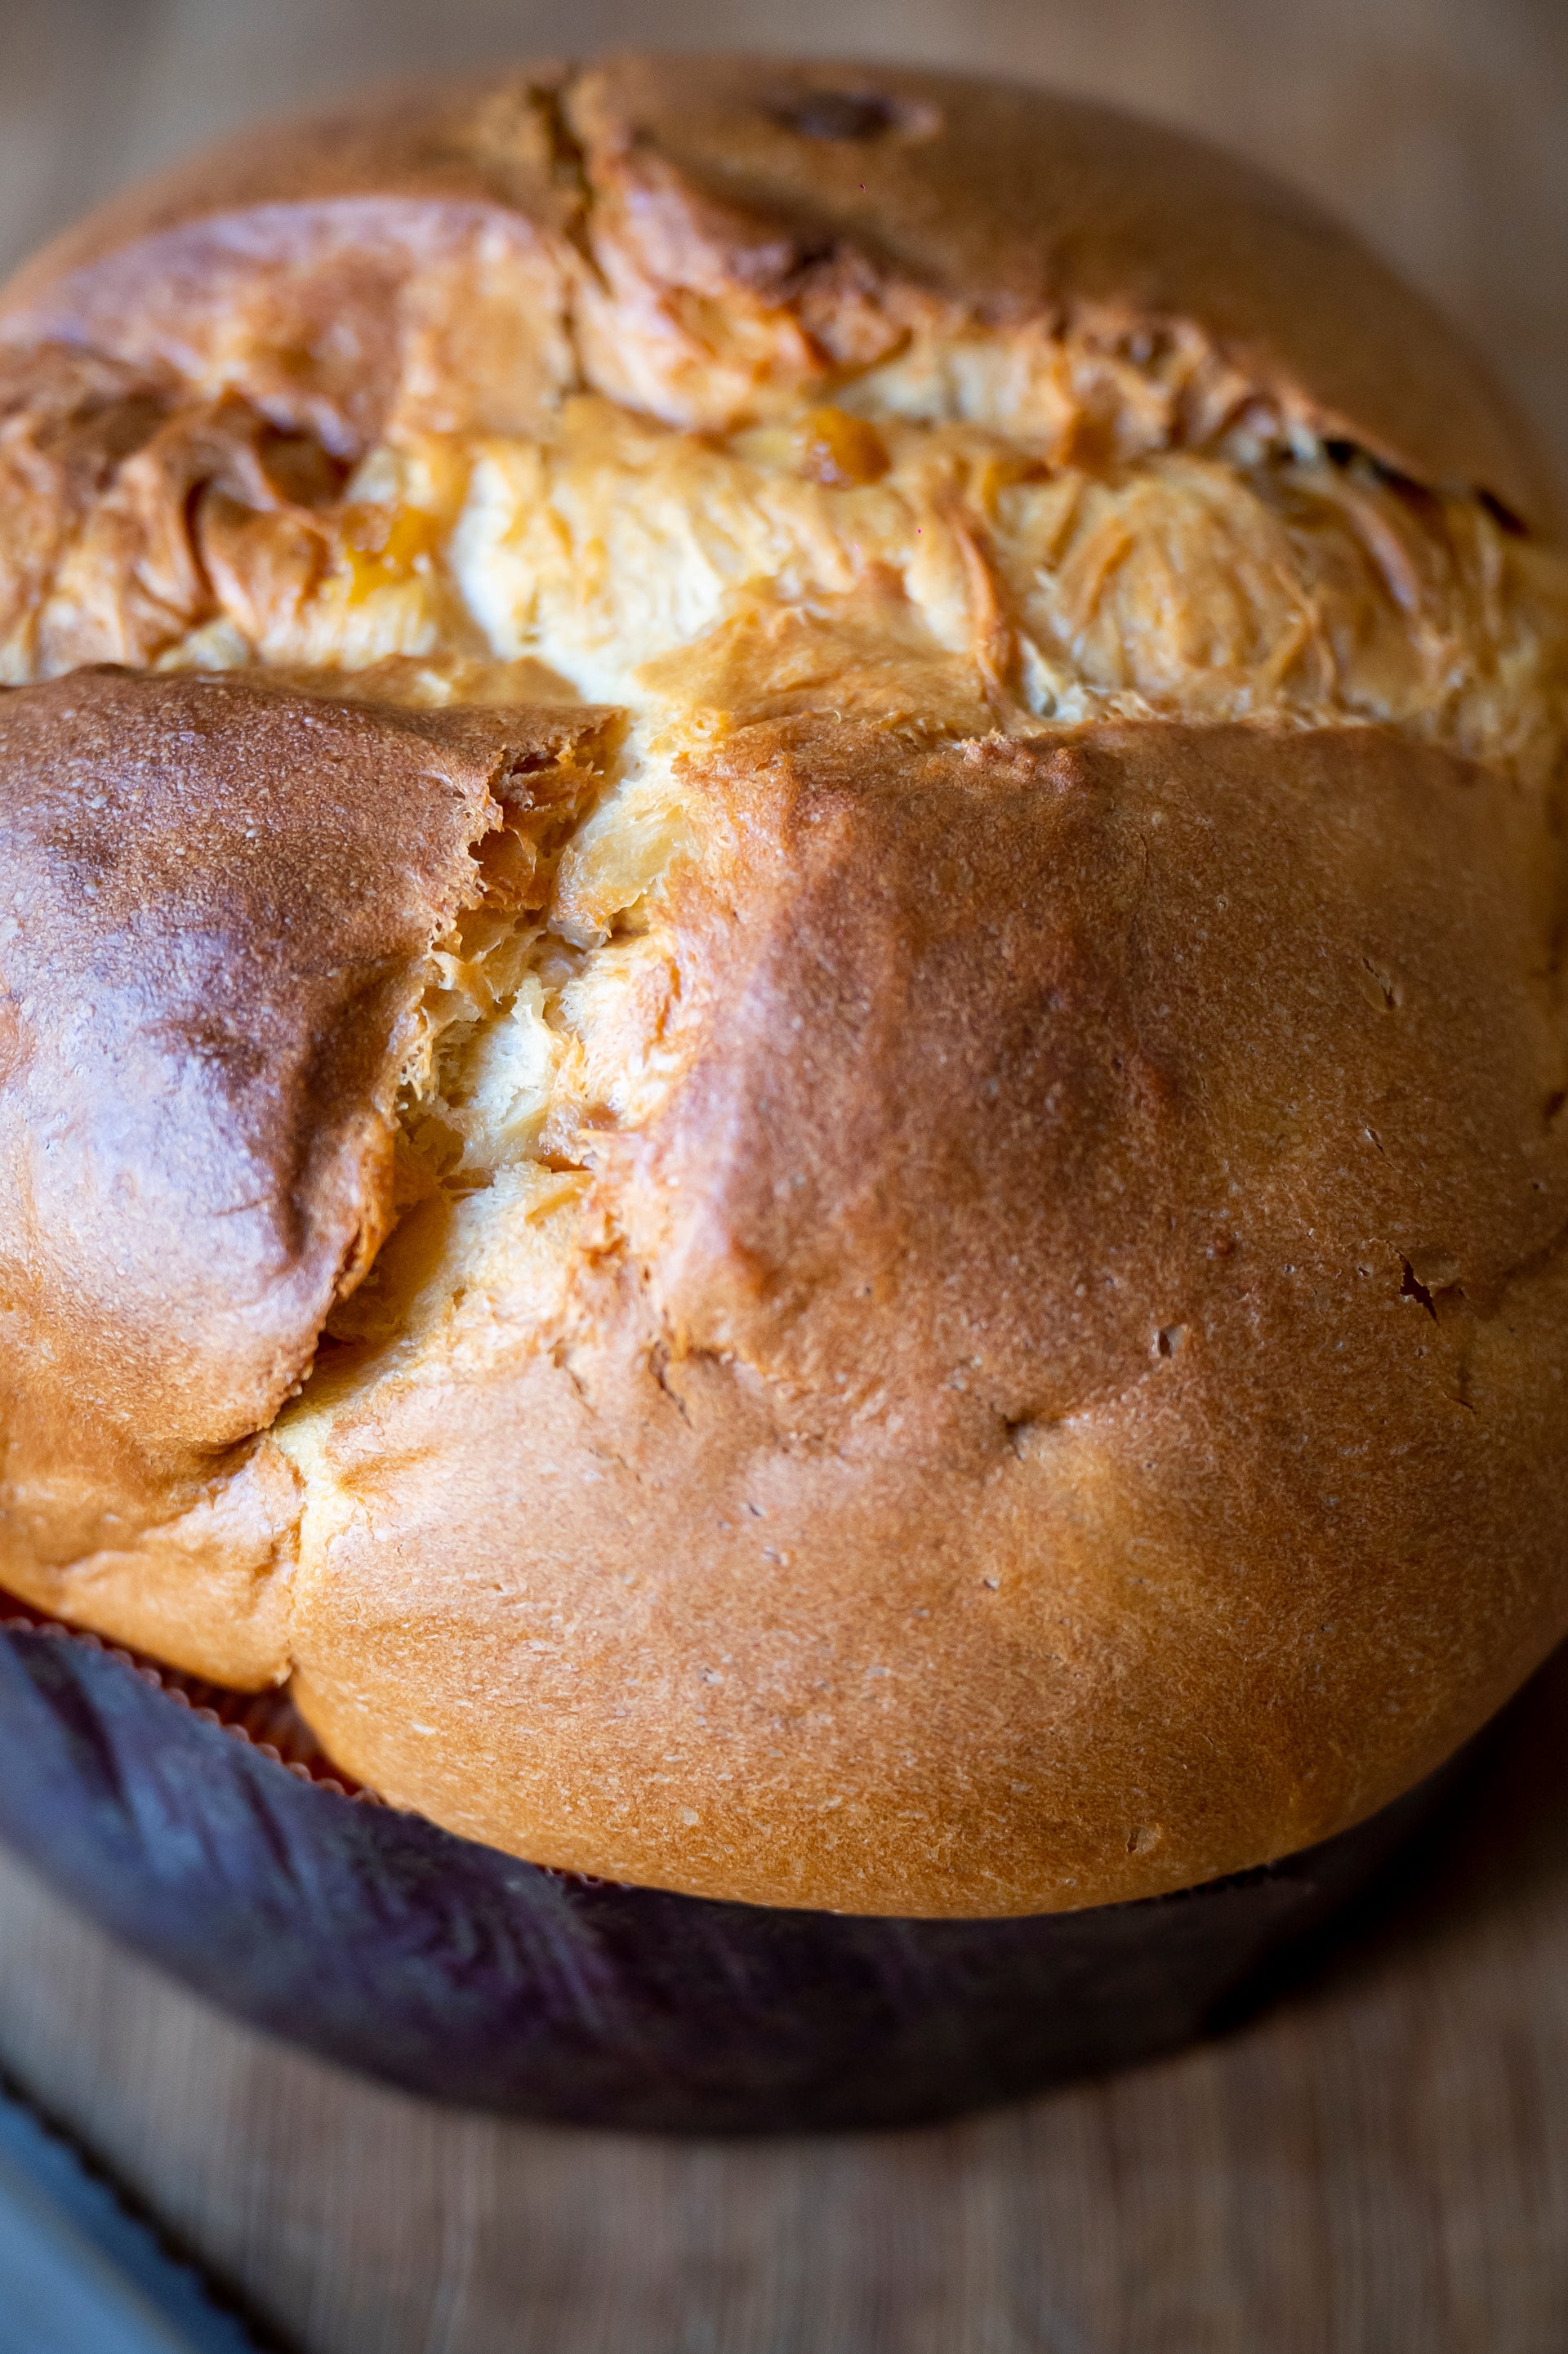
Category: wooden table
[1378,2167]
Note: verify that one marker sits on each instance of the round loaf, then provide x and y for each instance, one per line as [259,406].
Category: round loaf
[781,1064]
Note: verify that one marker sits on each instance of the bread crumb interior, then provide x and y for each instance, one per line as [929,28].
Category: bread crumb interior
[962,541]
[936,576]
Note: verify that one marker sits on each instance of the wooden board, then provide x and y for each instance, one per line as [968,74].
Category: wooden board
[1379,2166]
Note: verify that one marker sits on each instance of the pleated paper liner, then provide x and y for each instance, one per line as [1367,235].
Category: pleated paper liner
[206,1831]
[268,1721]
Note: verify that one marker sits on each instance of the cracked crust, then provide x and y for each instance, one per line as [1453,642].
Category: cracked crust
[986,1447]
[745,223]
[922,1270]
[215,941]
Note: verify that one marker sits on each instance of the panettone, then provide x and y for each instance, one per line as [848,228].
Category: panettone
[781,1065]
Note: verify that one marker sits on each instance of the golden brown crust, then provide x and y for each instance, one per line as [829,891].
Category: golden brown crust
[1020,201]
[1067,1399]
[1012,1014]
[220,895]
[366,252]
[979,1324]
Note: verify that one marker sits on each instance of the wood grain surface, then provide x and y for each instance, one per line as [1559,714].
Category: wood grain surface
[1378,2166]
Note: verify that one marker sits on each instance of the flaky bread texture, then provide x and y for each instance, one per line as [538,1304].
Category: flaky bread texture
[222,901]
[751,229]
[809,1132]
[1041,1416]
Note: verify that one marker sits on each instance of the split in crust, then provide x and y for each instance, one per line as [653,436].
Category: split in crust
[779,1050]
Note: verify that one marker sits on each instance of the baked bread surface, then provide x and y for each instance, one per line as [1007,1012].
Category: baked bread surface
[780,1054]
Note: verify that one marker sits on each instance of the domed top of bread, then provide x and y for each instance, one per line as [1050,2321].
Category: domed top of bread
[825,190]
[781,1059]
